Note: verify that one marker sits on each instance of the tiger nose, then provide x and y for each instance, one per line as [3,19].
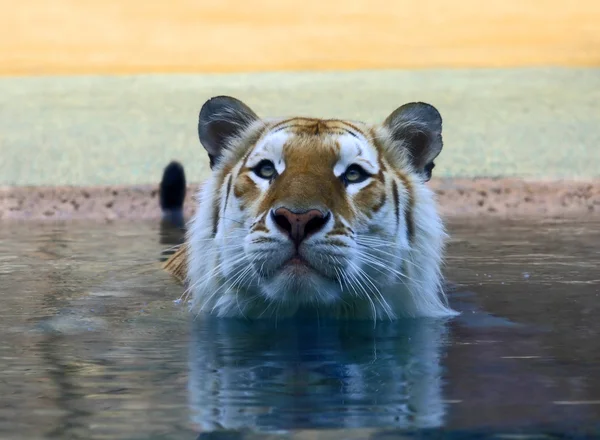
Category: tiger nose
[299,225]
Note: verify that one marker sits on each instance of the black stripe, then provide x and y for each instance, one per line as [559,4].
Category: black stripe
[217,205]
[279,129]
[350,132]
[354,127]
[410,226]
[396,198]
[285,121]
[216,210]
[229,179]
[332,130]
[285,127]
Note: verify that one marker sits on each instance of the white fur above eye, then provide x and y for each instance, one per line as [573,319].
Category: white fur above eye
[270,148]
[355,151]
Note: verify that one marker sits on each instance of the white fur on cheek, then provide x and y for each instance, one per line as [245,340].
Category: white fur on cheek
[262,184]
[354,188]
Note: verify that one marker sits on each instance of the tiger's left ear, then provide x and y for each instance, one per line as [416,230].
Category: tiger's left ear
[418,127]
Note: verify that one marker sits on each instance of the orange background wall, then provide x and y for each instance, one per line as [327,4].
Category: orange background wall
[131,36]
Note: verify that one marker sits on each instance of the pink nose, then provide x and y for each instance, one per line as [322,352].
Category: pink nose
[299,225]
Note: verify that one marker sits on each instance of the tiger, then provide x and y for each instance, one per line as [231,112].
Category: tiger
[305,216]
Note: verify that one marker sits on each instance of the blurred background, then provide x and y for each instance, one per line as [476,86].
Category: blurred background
[84,98]
[133,36]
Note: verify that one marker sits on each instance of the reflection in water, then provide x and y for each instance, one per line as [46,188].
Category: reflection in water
[305,374]
[92,345]
[61,374]
[172,234]
[60,371]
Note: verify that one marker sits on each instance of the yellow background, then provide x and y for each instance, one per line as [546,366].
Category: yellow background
[133,36]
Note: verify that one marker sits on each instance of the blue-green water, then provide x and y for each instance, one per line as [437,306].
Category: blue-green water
[93,345]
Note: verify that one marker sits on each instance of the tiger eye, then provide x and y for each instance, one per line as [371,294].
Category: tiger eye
[355,174]
[265,169]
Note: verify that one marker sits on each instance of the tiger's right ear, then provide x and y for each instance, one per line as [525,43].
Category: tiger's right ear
[418,128]
[221,119]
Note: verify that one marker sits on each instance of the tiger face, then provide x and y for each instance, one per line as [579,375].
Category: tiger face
[328,217]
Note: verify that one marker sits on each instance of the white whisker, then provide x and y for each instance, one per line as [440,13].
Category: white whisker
[376,291]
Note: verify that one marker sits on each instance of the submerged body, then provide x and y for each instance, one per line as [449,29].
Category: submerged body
[328,217]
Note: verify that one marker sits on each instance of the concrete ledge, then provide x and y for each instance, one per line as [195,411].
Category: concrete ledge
[504,198]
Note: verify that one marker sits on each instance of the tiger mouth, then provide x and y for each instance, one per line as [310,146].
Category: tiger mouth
[296,260]
[298,265]
[271,264]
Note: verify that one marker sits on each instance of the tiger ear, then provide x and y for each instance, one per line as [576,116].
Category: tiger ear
[418,127]
[222,118]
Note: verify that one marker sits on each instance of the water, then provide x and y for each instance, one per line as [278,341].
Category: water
[93,346]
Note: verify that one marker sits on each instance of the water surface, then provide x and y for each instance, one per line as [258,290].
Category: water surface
[92,344]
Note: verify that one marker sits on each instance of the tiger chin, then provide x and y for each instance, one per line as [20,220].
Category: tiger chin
[315,217]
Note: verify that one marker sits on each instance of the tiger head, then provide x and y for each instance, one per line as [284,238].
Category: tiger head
[324,216]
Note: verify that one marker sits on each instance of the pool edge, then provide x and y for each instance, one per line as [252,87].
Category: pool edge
[457,197]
